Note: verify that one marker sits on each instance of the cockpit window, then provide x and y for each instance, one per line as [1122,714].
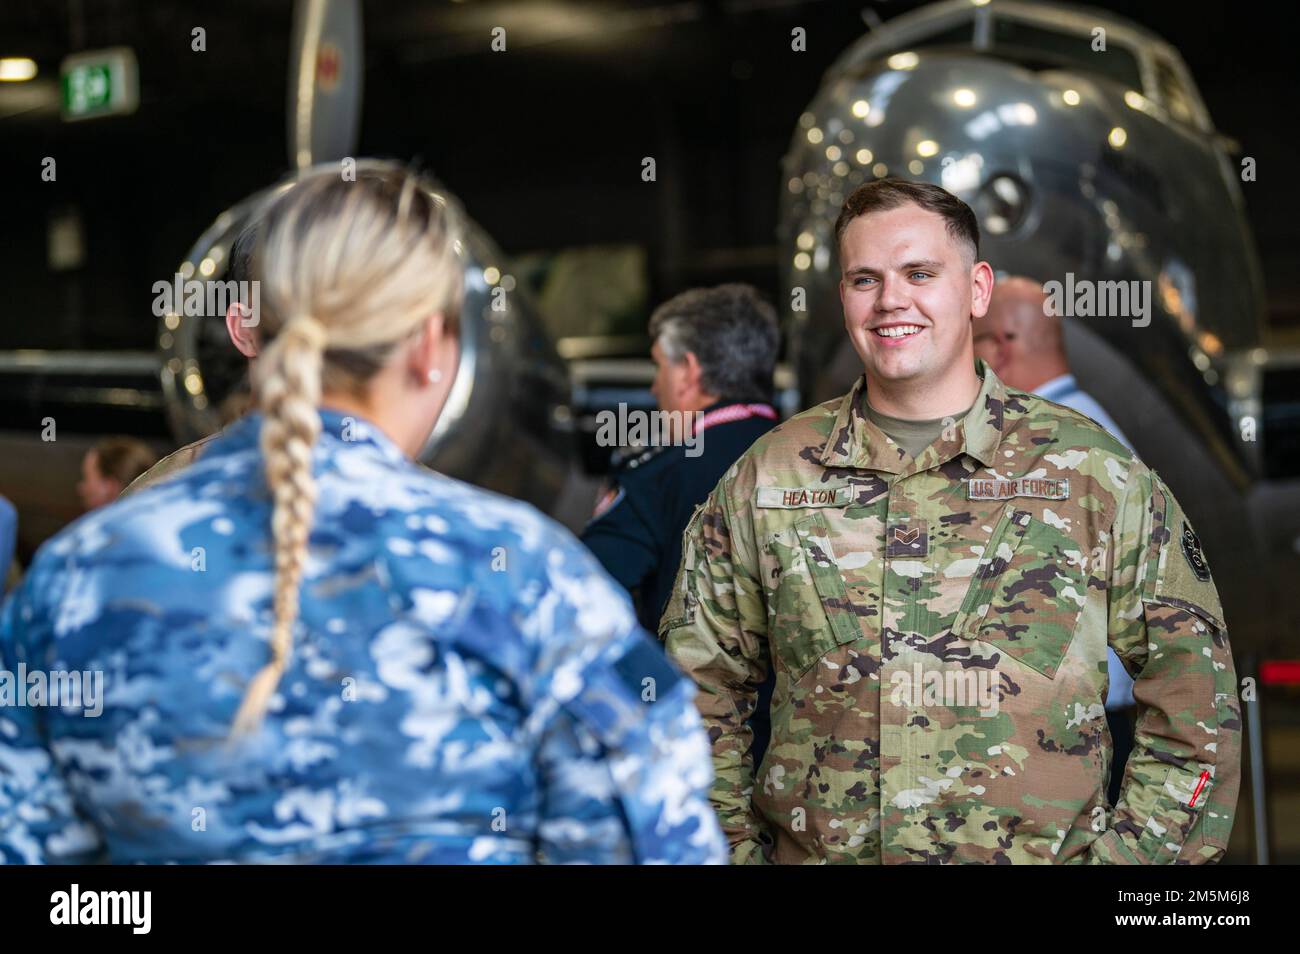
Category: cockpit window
[1045,49]
[1173,94]
[963,34]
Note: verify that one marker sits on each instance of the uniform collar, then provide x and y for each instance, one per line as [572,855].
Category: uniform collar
[349,428]
[855,442]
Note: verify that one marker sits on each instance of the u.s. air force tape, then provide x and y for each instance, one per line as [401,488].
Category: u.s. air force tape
[995,488]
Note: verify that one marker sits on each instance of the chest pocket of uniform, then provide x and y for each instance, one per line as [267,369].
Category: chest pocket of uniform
[1027,592]
[810,612]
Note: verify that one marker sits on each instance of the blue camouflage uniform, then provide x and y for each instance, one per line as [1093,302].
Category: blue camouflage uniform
[466,684]
[8,539]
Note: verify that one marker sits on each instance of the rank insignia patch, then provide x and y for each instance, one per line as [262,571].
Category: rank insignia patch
[911,540]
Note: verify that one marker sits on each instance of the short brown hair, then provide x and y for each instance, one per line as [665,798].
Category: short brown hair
[892,192]
[123,458]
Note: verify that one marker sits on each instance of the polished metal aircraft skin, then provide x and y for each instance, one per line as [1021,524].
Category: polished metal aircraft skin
[505,425]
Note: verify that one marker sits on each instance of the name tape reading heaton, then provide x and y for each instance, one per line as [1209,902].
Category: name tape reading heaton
[790,498]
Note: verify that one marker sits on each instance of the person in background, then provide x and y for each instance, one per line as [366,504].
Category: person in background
[241,326]
[1025,347]
[109,467]
[339,655]
[715,353]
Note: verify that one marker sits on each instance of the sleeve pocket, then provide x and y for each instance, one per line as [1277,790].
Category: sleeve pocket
[1183,796]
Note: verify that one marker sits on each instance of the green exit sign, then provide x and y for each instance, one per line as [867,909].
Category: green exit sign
[100,83]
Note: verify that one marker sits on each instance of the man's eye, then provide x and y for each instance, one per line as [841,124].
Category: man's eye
[862,278]
[922,274]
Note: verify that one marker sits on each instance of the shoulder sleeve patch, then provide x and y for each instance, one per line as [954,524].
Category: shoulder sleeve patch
[607,502]
[1181,573]
[1192,551]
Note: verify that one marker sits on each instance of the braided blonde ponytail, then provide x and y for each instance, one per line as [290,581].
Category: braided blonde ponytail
[348,269]
[289,392]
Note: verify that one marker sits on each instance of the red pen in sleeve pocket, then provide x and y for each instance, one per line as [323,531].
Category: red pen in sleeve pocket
[1205,777]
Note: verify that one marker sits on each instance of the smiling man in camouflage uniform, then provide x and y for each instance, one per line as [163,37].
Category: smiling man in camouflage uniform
[934,565]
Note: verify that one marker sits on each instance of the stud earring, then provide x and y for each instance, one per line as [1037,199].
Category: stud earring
[435,376]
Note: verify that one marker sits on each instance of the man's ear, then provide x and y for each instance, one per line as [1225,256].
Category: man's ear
[694,373]
[241,328]
[982,281]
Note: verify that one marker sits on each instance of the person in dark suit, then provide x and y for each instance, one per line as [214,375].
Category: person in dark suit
[715,352]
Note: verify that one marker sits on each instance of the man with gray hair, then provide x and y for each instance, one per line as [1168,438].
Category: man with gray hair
[715,351]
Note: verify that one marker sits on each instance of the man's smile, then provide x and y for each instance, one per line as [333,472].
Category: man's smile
[896,333]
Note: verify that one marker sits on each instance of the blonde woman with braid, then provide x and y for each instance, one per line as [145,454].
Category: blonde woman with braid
[331,652]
